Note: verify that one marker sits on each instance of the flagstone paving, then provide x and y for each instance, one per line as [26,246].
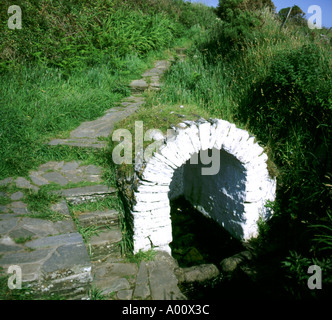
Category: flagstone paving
[53,255]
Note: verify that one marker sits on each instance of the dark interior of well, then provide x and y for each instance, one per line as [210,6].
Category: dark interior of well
[198,239]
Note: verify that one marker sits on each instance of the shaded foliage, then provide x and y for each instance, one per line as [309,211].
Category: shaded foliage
[296,15]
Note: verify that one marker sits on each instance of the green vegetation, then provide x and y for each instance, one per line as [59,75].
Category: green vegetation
[142,256]
[276,84]
[22,239]
[73,60]
[100,205]
[96,294]
[39,204]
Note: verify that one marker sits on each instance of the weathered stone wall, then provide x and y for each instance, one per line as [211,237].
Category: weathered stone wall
[232,189]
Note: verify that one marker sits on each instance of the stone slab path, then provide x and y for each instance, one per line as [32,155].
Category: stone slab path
[53,255]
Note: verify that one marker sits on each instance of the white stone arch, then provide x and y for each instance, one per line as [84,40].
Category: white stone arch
[151,211]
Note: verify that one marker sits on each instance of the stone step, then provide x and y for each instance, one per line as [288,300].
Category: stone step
[117,278]
[85,194]
[153,72]
[57,264]
[105,244]
[80,142]
[162,280]
[138,86]
[135,97]
[99,218]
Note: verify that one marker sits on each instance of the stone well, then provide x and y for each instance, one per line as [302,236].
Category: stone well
[219,168]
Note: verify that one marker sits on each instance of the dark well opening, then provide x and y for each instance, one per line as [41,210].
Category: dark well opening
[198,239]
[215,182]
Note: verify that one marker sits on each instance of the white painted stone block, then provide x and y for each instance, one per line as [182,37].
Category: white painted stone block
[152,189]
[141,243]
[158,212]
[151,197]
[254,196]
[143,206]
[213,136]
[161,158]
[252,213]
[155,164]
[229,138]
[178,150]
[184,143]
[204,135]
[183,151]
[154,224]
[221,131]
[237,145]
[169,154]
[193,134]
[154,175]
[162,236]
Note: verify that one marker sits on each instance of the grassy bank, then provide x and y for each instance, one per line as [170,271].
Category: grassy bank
[71,61]
[276,84]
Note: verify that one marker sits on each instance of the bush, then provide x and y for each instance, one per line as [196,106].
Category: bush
[290,110]
[297,16]
[240,19]
[296,94]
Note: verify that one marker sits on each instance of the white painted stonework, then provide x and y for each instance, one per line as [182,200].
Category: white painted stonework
[234,196]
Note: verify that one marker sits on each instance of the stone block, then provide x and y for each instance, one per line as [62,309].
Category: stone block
[152,189]
[37,179]
[143,206]
[141,242]
[56,177]
[161,158]
[124,294]
[222,129]
[55,241]
[6,181]
[157,177]
[151,197]
[163,282]
[88,193]
[199,273]
[142,289]
[105,243]
[17,196]
[204,135]
[61,207]
[171,155]
[99,218]
[25,184]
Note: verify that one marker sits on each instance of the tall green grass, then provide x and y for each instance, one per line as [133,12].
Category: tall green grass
[276,84]
[73,34]
[39,103]
[71,61]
